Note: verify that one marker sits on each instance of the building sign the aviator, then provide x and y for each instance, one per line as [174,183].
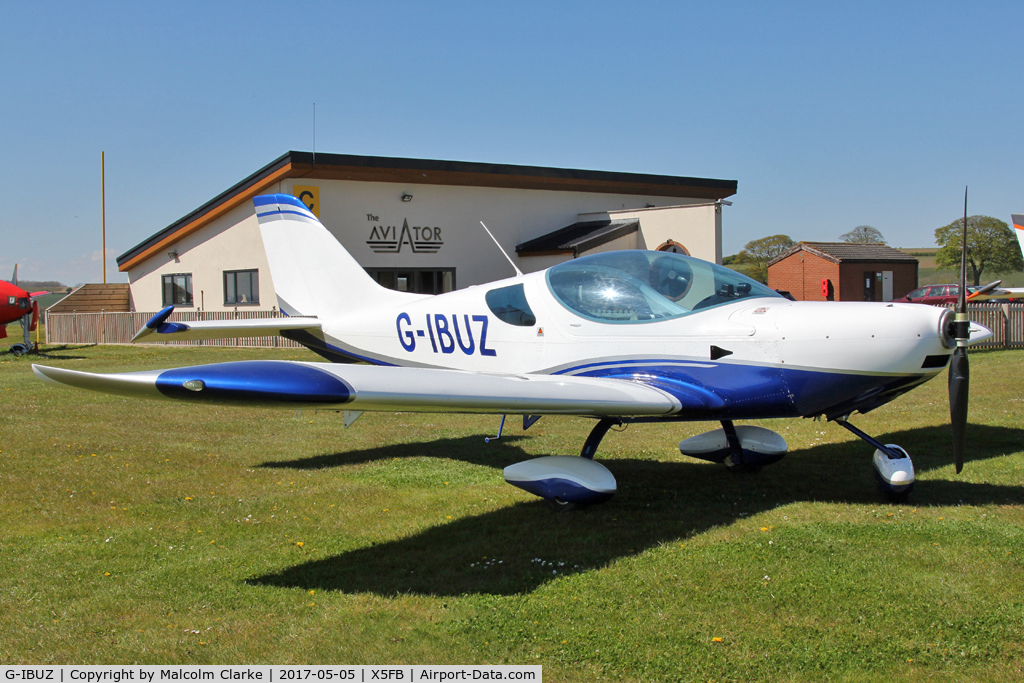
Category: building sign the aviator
[388,239]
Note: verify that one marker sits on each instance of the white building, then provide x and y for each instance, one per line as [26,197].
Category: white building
[414,224]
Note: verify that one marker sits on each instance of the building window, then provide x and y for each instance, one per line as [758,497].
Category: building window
[177,289]
[415,280]
[241,287]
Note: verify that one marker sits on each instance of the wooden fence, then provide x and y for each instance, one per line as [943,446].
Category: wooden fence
[1005,320]
[119,328]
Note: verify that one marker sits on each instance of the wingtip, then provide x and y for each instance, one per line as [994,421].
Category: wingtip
[46,374]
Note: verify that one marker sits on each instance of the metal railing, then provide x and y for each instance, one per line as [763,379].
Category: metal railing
[119,328]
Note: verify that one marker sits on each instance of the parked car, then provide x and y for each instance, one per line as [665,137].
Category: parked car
[936,295]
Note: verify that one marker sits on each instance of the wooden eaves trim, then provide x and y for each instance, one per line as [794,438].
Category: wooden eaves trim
[415,176]
[218,211]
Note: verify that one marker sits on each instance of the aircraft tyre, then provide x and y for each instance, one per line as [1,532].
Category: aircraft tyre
[894,497]
[559,505]
[743,468]
[19,349]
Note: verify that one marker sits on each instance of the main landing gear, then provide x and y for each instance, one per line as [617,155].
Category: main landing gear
[894,471]
[25,346]
[742,449]
[566,482]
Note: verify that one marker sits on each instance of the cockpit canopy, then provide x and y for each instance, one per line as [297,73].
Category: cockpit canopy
[646,286]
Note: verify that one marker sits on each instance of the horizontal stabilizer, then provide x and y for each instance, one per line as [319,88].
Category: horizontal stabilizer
[363,387]
[158,328]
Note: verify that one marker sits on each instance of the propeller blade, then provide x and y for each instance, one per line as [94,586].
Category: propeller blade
[959,381]
[959,369]
[961,304]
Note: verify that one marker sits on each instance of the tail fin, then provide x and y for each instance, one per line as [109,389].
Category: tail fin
[313,274]
[1018,227]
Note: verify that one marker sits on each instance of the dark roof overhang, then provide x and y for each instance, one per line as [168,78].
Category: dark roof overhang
[578,238]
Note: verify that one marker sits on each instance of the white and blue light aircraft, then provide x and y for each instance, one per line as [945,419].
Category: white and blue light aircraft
[627,336]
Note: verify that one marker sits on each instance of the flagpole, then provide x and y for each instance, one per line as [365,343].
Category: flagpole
[103,209]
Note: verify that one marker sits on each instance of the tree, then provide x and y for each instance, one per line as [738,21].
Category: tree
[991,246]
[760,252]
[863,234]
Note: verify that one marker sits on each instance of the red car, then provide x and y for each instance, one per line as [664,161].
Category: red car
[937,295]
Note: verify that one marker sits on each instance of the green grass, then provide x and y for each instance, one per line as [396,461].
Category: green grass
[160,533]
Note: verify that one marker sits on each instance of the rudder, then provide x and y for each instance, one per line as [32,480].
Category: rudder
[314,275]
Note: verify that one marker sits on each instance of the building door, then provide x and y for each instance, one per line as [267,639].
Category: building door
[886,285]
[869,285]
[418,280]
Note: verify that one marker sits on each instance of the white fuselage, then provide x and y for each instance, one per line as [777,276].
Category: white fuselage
[457,330]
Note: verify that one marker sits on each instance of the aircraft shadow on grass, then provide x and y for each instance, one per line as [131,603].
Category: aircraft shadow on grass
[56,353]
[470,449]
[657,502]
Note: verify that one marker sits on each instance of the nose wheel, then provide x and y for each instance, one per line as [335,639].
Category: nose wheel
[894,470]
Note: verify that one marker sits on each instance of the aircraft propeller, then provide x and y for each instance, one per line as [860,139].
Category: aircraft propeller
[959,369]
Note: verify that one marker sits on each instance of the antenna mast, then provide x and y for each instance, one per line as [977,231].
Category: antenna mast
[518,272]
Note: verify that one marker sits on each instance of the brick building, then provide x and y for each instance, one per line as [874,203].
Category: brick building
[841,271]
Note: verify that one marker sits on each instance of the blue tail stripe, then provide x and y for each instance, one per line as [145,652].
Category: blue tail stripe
[278,211]
[265,199]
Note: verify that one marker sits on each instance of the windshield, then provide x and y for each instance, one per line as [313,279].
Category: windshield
[646,286]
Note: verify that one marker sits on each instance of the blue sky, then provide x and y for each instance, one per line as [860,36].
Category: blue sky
[829,116]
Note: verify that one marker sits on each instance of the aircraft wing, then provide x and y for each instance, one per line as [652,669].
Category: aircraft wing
[158,329]
[302,385]
[1000,294]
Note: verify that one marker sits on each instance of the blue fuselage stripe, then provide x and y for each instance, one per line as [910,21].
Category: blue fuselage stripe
[716,391]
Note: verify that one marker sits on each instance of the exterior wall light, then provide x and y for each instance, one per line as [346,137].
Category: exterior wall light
[406,197]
